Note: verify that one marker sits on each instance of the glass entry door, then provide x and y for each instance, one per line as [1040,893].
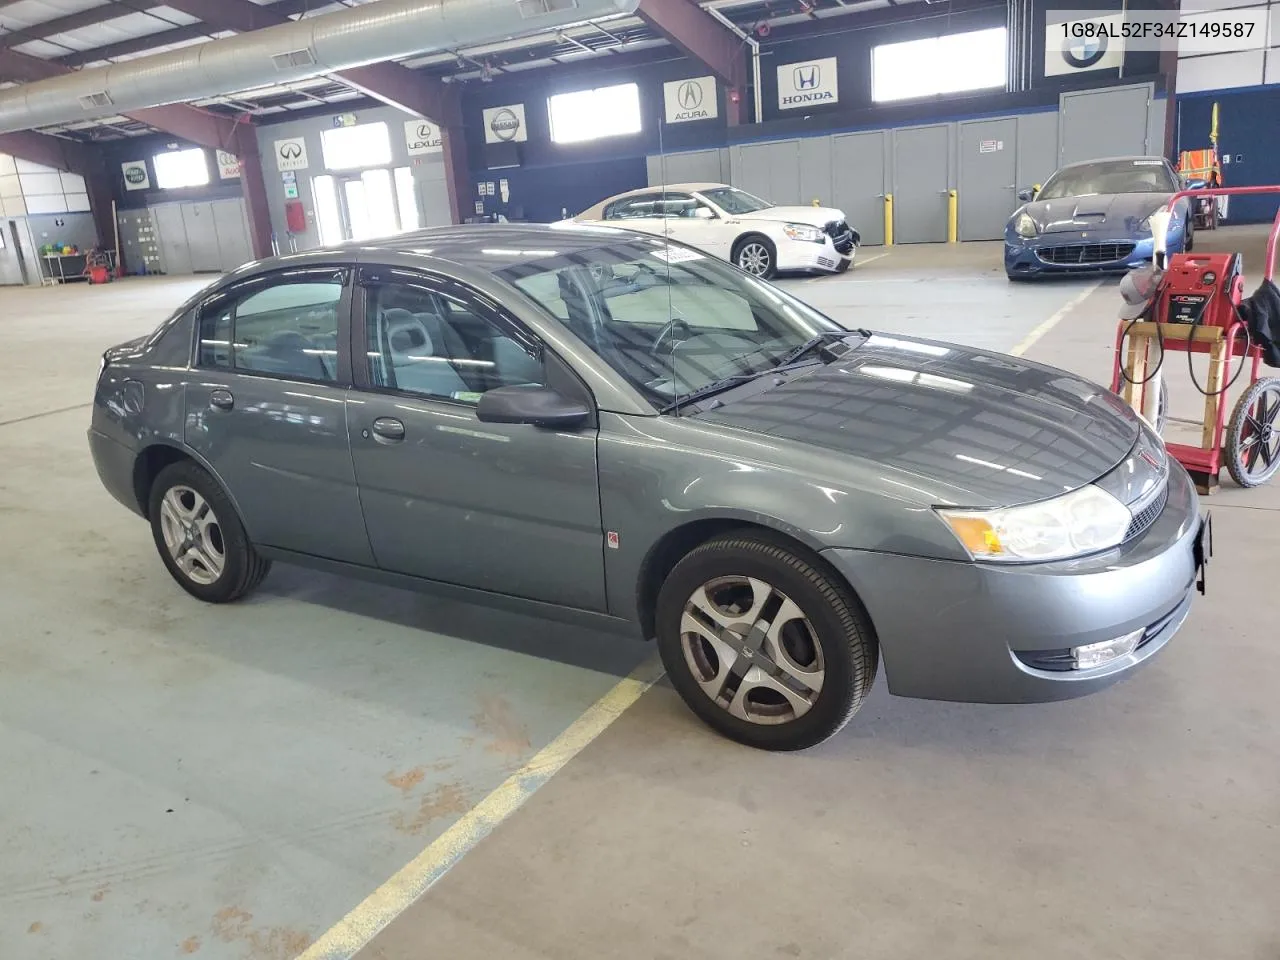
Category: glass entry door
[363,206]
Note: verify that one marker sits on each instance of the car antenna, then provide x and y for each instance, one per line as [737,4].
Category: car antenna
[666,253]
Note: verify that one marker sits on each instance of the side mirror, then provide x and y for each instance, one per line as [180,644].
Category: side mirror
[1027,195]
[704,213]
[538,406]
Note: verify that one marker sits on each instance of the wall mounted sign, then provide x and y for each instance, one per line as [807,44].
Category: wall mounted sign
[345,120]
[505,124]
[809,83]
[990,146]
[228,165]
[692,99]
[291,191]
[422,136]
[289,177]
[135,175]
[291,154]
[1080,54]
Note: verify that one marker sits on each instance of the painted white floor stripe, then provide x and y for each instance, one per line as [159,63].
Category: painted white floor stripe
[391,899]
[1030,340]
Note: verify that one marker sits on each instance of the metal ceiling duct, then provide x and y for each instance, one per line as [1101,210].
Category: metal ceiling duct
[314,46]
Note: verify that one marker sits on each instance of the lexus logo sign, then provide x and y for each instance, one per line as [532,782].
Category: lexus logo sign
[422,137]
[505,124]
[291,154]
[808,84]
[692,99]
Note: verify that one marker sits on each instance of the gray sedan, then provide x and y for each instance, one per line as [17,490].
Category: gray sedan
[612,428]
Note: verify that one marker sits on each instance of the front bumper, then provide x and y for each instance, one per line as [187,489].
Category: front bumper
[983,625]
[804,255]
[1034,256]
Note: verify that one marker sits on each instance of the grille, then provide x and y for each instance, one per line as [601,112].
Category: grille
[1078,253]
[1147,515]
[841,235]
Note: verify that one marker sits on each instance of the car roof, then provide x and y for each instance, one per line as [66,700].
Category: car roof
[683,187]
[480,248]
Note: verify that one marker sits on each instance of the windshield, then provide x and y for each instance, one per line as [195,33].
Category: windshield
[1109,176]
[669,319]
[732,200]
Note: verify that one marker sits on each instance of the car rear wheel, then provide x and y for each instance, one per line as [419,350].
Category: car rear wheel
[200,537]
[766,645]
[757,255]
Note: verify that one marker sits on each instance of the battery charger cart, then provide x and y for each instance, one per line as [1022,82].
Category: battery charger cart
[1195,309]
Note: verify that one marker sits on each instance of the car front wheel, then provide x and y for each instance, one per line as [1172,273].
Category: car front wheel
[766,645]
[757,255]
[200,537]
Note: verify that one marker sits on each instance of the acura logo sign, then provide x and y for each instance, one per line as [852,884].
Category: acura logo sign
[690,95]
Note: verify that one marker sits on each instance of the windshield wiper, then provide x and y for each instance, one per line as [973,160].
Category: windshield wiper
[785,362]
[809,346]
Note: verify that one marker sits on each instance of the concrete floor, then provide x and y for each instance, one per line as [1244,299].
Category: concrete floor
[230,782]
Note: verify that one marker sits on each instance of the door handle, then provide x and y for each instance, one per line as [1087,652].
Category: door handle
[222,399]
[388,430]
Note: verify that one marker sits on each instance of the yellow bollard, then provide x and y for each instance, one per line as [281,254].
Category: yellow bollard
[953,216]
[888,219]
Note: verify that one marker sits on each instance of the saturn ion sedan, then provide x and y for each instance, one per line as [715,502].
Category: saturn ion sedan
[611,428]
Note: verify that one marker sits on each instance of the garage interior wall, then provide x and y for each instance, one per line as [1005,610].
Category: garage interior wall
[428,170]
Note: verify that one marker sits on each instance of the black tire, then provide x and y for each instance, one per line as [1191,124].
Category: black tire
[1189,232]
[837,624]
[1253,436]
[744,246]
[242,569]
[1162,407]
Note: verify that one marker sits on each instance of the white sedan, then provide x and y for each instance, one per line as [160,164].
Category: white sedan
[732,224]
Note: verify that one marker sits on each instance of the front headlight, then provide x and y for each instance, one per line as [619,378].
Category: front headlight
[1082,521]
[1024,226]
[802,231]
[1144,225]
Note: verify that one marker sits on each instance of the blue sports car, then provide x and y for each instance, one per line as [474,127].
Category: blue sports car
[1095,217]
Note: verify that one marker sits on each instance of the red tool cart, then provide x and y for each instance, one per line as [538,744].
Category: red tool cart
[1194,307]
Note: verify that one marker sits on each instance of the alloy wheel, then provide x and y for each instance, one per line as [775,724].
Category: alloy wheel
[754,258]
[192,535]
[1257,437]
[752,650]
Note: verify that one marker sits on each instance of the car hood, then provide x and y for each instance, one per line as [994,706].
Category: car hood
[813,216]
[1113,213]
[983,429]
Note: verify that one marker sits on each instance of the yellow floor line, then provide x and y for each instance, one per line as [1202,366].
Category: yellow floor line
[1030,340]
[391,899]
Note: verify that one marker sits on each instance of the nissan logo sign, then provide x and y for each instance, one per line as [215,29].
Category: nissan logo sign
[690,95]
[505,124]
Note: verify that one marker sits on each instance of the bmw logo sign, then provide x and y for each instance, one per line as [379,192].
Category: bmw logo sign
[1081,52]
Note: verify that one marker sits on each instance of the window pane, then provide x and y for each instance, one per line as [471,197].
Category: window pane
[437,346]
[181,168]
[350,148]
[357,211]
[592,114]
[936,65]
[289,330]
[328,218]
[407,199]
[381,201]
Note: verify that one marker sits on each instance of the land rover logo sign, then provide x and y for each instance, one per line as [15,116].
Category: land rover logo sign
[692,99]
[807,84]
[422,136]
[135,175]
[291,154]
[505,124]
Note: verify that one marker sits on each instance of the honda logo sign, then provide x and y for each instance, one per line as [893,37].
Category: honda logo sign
[807,84]
[692,99]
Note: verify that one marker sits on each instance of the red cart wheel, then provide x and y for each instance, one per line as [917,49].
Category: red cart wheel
[1253,435]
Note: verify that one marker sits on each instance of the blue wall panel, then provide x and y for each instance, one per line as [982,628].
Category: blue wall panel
[1248,128]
